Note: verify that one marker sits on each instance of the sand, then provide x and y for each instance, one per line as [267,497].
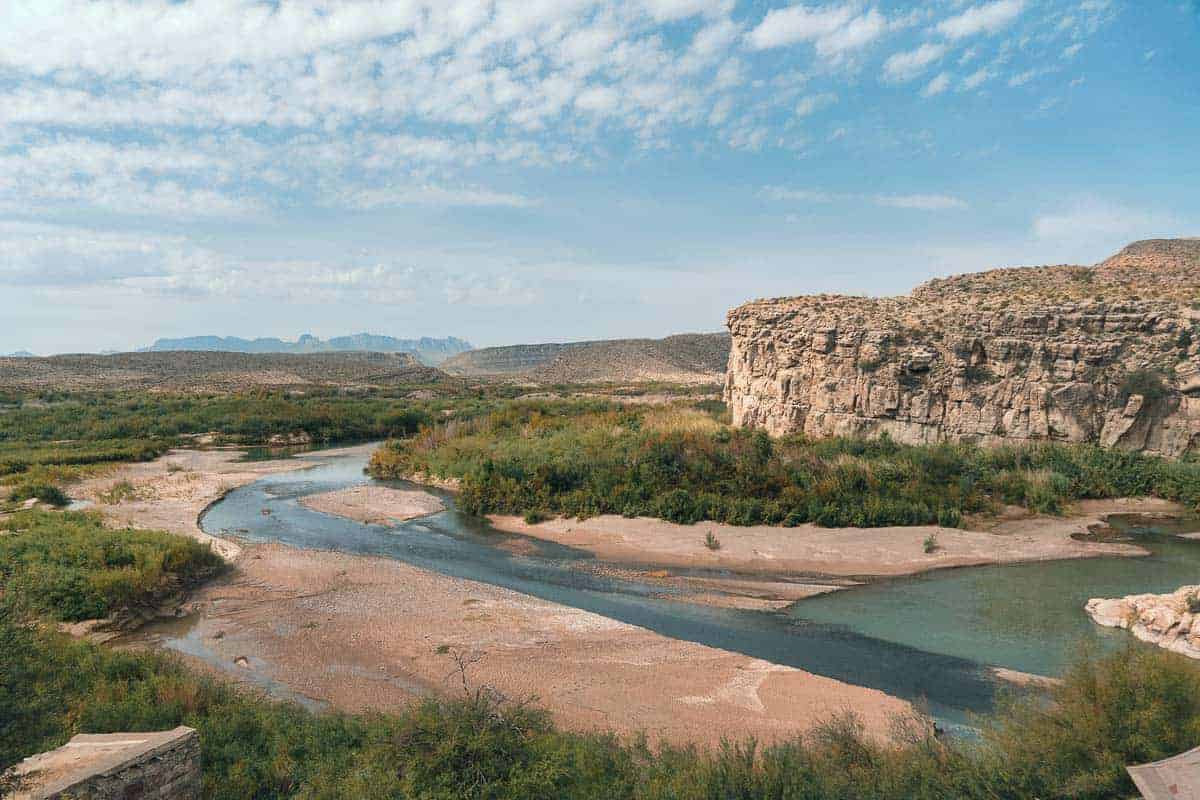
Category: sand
[375,505]
[808,550]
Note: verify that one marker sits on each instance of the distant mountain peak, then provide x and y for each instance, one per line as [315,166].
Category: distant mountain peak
[431,351]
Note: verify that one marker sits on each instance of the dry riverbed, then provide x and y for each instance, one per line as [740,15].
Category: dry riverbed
[369,633]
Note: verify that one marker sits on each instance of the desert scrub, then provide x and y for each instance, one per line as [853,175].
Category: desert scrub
[711,541]
[581,459]
[70,567]
[124,492]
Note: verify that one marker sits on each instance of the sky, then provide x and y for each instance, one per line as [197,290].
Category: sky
[549,170]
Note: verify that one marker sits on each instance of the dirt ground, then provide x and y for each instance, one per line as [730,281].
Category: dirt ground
[808,550]
[376,505]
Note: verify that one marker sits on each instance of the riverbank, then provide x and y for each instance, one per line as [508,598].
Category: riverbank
[808,550]
[359,632]
[362,633]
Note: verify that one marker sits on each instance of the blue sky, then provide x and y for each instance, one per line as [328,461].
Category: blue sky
[542,170]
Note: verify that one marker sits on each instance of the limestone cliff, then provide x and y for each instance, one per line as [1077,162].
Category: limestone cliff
[1107,354]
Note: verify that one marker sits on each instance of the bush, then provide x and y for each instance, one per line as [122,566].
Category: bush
[48,494]
[1148,383]
[931,543]
[711,541]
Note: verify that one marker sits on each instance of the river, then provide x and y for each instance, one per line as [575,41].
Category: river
[930,639]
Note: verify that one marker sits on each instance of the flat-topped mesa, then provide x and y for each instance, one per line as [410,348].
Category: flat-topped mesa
[1107,354]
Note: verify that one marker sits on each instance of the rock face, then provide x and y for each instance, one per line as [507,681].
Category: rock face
[1167,620]
[1107,354]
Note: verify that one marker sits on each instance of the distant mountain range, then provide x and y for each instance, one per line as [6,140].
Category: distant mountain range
[20,354]
[428,350]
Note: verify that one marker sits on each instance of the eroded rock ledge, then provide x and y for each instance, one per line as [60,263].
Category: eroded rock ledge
[1107,354]
[1167,620]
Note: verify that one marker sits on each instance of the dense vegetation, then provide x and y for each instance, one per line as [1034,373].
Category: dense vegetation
[250,417]
[684,464]
[70,567]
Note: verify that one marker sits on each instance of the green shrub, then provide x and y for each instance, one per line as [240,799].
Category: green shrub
[48,494]
[1149,383]
[711,541]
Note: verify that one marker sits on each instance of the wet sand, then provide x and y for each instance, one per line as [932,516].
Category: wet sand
[808,550]
[375,505]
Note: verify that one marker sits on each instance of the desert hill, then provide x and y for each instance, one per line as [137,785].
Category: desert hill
[212,371]
[686,358]
[1107,354]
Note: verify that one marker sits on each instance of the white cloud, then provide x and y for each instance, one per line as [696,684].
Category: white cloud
[802,195]
[921,202]
[814,102]
[430,195]
[834,29]
[986,18]
[918,202]
[977,79]
[1070,51]
[936,86]
[906,66]
[786,26]
[1086,220]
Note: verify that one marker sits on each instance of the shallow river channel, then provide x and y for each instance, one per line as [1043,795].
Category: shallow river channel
[931,639]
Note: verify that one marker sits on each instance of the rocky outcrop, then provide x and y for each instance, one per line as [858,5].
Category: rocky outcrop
[1167,620]
[1107,354]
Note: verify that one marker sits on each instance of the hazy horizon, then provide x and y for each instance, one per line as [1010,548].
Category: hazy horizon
[511,171]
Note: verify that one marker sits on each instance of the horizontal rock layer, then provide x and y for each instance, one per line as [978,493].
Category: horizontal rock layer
[1022,354]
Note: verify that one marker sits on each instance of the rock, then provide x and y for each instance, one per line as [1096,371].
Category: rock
[1025,354]
[1166,620]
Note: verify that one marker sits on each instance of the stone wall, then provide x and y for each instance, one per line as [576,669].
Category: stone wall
[1014,355]
[116,766]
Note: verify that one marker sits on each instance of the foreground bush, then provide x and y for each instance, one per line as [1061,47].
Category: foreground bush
[70,567]
[1132,707]
[684,465]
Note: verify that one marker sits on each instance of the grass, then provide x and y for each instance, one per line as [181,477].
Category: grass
[685,465]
